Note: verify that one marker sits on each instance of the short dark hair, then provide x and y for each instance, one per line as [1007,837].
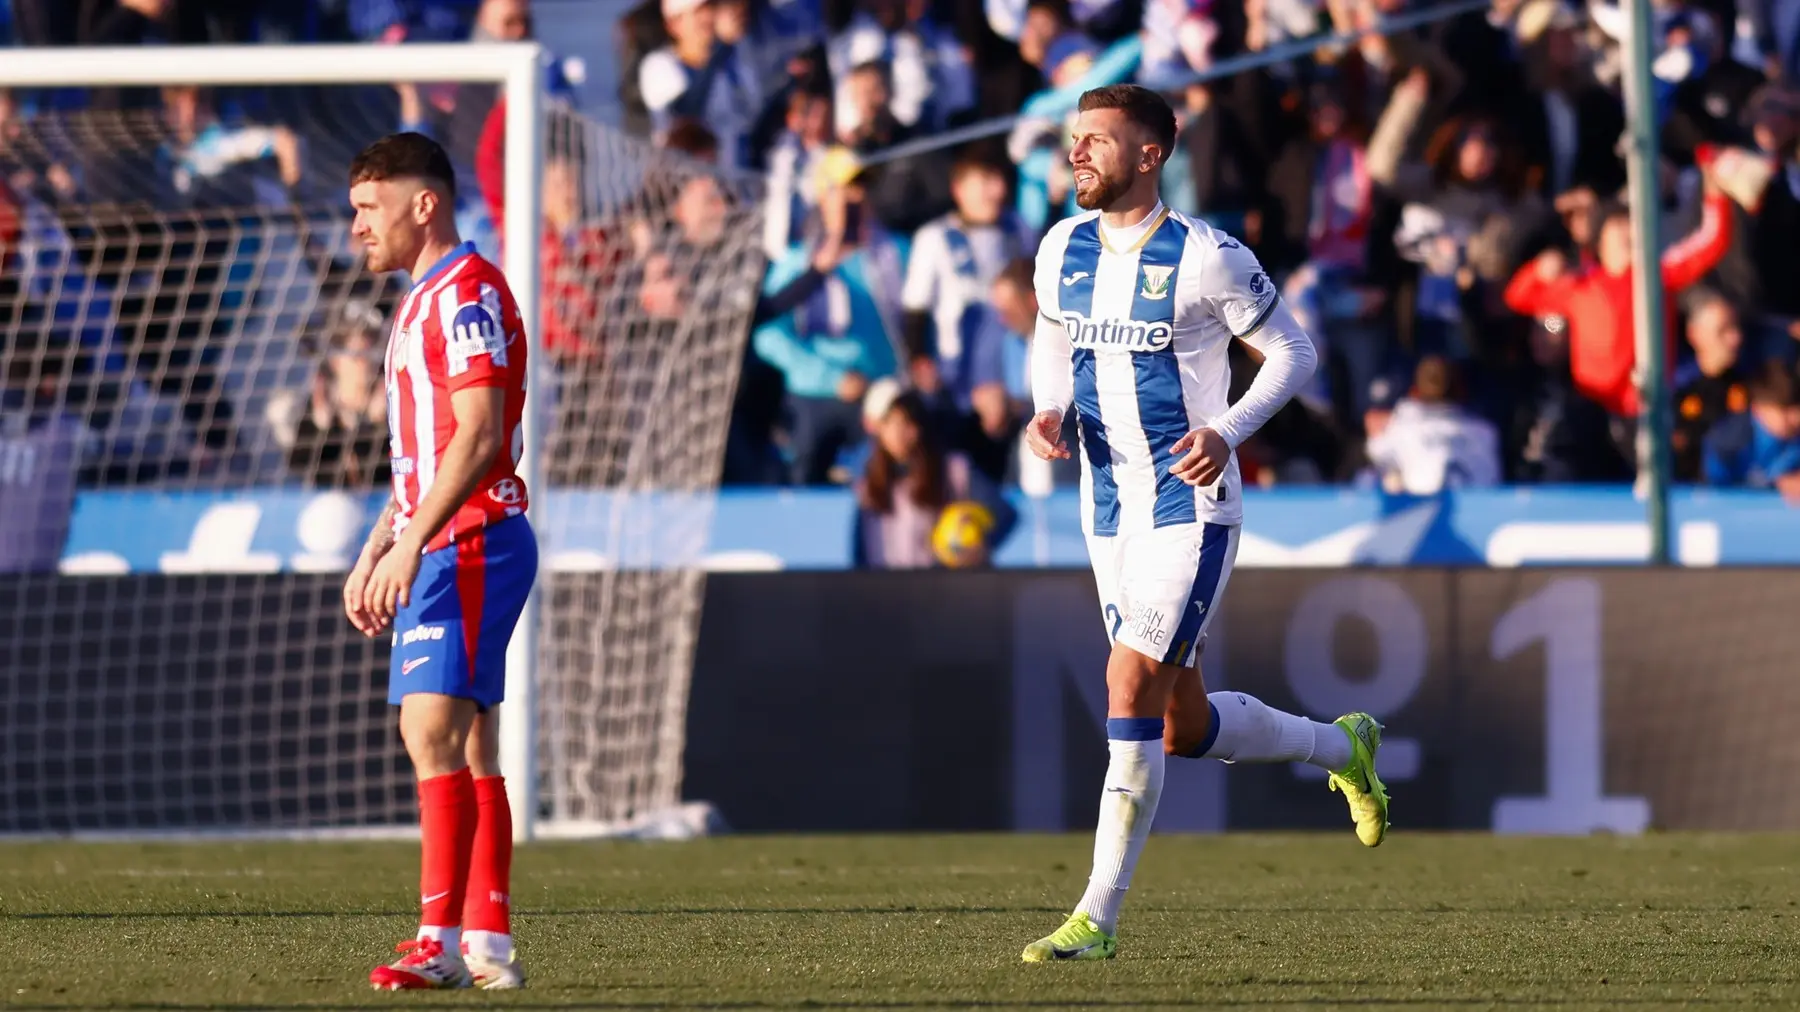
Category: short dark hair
[877,67]
[1141,106]
[692,138]
[1702,297]
[1020,272]
[807,92]
[974,162]
[1436,380]
[1059,9]
[1774,385]
[404,156]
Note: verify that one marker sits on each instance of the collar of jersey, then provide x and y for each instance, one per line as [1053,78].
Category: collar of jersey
[1157,216]
[462,250]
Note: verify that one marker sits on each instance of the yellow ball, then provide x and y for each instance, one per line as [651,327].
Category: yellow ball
[839,165]
[960,538]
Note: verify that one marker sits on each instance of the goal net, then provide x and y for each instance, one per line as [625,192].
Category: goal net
[193,441]
[649,297]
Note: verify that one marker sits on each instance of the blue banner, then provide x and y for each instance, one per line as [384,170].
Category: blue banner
[305,530]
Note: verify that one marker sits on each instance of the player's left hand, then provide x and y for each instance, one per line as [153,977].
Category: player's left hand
[1043,434]
[390,585]
[1205,460]
[355,598]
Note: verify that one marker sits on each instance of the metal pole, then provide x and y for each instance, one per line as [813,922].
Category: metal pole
[1647,287]
[524,90]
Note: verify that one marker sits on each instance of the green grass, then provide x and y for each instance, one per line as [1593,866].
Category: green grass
[1426,921]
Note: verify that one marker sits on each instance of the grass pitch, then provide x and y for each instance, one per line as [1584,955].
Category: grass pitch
[1426,921]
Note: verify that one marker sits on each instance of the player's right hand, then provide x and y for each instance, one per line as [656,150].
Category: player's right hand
[1202,456]
[354,608]
[1044,435]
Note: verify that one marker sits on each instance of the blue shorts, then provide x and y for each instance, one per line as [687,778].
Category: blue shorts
[450,639]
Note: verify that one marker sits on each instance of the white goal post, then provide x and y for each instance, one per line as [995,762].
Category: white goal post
[516,69]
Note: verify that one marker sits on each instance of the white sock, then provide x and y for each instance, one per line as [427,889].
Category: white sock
[1134,780]
[490,944]
[449,938]
[1245,730]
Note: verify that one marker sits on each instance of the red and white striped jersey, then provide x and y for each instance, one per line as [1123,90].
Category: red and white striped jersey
[457,329]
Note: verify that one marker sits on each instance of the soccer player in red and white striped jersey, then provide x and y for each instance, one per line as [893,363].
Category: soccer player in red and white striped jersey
[452,560]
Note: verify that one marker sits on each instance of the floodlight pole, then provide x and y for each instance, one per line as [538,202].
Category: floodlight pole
[1647,297]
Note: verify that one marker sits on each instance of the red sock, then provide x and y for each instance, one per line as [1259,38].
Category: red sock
[489,906]
[447,813]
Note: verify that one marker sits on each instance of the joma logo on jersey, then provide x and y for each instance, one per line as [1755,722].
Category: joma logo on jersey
[1124,335]
[1156,282]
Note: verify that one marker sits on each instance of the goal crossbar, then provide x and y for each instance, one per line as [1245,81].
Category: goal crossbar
[516,68]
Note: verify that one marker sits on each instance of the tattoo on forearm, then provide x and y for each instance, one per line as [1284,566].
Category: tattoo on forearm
[382,537]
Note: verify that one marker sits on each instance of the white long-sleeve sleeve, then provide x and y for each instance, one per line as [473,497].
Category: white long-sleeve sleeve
[778,205]
[1052,375]
[1240,295]
[1288,363]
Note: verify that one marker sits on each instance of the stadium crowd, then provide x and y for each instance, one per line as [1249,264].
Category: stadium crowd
[140,274]
[1443,206]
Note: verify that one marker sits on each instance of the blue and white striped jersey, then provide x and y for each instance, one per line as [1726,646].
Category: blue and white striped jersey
[1135,325]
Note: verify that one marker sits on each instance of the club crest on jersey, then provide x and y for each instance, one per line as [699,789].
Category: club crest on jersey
[404,338]
[1156,282]
[1262,291]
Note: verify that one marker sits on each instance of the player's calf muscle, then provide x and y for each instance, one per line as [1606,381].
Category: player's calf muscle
[1189,715]
[1183,732]
[483,748]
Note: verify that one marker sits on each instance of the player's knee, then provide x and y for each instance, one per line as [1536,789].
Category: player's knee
[434,735]
[434,750]
[1135,684]
[1130,693]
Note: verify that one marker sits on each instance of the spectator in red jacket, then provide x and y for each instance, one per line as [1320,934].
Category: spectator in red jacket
[11,224]
[578,260]
[1596,300]
[490,164]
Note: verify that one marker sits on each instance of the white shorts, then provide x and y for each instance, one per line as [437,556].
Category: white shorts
[1159,589]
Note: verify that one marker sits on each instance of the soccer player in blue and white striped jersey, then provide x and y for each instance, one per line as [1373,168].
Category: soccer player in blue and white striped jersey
[1138,306]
